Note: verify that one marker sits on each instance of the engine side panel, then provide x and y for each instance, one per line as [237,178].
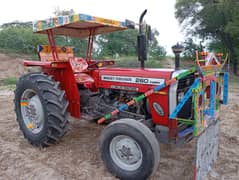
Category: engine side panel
[139,80]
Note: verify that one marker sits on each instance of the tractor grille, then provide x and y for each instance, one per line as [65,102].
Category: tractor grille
[183,85]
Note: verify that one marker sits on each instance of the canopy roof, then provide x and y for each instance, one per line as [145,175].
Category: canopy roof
[78,25]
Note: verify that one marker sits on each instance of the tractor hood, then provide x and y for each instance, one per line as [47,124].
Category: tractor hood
[132,79]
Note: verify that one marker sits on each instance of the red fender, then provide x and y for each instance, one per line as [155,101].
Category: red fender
[62,72]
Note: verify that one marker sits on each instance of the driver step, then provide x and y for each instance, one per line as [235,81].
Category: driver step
[185,132]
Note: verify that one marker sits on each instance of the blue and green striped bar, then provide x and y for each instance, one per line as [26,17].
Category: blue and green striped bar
[212,98]
[225,88]
[188,94]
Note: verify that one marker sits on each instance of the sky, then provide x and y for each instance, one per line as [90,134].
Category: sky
[160,13]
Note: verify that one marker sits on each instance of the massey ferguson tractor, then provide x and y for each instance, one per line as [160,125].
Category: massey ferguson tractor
[142,107]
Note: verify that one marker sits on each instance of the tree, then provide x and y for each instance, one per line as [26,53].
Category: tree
[214,19]
[190,47]
[117,43]
[216,45]
[80,45]
[124,43]
[156,51]
[18,24]
[18,36]
[64,12]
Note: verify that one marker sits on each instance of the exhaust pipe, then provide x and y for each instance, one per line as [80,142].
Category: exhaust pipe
[141,41]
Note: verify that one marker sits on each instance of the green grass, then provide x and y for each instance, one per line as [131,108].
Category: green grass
[8,81]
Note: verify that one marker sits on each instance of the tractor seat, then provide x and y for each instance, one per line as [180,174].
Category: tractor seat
[78,64]
[79,67]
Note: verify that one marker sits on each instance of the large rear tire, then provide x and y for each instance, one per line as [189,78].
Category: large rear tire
[41,109]
[129,149]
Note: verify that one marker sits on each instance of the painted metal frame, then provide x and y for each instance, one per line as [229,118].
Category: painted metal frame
[75,25]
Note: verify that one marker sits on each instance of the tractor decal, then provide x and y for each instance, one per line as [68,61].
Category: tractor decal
[135,80]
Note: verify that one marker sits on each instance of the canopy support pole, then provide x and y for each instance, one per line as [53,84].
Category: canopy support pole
[90,44]
[52,43]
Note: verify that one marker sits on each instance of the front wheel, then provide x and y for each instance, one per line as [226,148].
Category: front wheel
[129,149]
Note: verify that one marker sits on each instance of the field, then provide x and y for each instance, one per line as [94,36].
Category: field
[77,155]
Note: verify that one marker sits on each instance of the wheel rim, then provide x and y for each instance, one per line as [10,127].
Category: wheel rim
[126,152]
[32,111]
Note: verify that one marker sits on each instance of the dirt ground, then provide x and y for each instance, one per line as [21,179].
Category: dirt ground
[77,155]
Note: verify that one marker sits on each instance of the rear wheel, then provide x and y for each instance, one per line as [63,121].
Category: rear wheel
[41,109]
[129,149]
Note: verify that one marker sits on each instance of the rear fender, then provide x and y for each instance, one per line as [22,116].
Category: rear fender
[66,77]
[62,72]
[46,64]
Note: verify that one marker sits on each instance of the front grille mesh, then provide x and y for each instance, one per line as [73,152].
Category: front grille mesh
[183,85]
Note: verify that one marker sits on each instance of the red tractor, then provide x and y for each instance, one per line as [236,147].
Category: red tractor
[142,106]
